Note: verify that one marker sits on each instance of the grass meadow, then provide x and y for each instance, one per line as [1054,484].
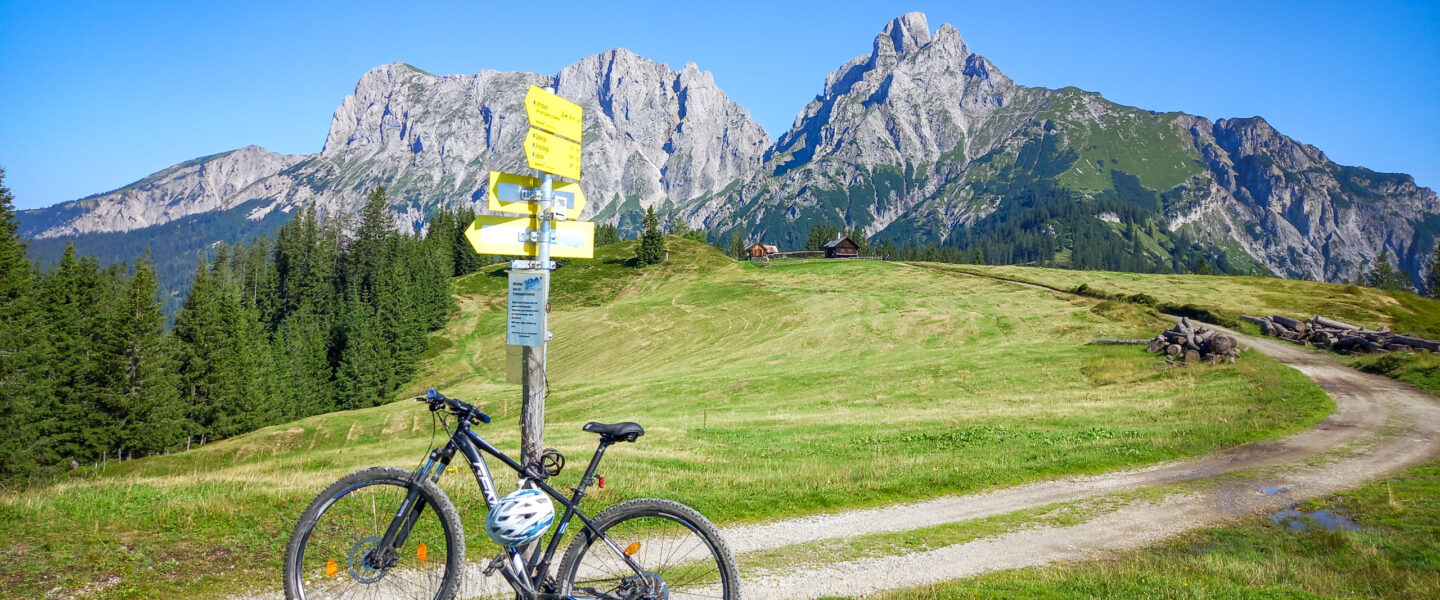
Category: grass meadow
[766,392]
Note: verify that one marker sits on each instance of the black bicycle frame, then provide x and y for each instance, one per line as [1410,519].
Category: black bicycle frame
[467,442]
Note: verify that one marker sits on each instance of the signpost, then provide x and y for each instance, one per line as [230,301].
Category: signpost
[520,236]
[520,194]
[552,154]
[552,146]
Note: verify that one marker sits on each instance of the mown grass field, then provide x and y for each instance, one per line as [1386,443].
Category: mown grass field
[765,393]
[1231,297]
[1395,554]
[1226,298]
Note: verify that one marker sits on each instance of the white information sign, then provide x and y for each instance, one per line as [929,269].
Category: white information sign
[525,325]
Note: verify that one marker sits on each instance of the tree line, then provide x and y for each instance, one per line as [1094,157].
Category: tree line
[329,315]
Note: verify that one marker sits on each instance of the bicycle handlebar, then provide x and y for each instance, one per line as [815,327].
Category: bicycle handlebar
[437,399]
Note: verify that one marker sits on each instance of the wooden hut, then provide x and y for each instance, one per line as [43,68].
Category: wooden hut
[759,250]
[842,248]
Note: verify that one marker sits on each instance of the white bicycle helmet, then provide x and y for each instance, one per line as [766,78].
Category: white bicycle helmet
[519,518]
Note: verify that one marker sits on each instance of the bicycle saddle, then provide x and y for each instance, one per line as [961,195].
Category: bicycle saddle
[623,432]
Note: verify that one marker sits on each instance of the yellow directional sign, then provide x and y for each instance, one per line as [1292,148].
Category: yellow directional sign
[553,113]
[517,236]
[552,154]
[520,194]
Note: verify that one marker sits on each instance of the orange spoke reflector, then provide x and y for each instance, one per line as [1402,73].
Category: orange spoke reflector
[331,568]
[632,549]
[421,552]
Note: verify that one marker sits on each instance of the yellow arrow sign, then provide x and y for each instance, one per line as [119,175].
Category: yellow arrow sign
[520,194]
[553,113]
[552,154]
[516,236]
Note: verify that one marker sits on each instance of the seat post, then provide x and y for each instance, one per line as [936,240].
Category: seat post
[595,462]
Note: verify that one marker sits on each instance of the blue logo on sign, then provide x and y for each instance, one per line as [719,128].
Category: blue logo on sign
[532,284]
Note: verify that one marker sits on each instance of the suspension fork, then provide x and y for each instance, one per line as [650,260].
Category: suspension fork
[414,506]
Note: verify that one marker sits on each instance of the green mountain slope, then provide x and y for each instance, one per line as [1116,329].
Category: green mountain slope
[765,393]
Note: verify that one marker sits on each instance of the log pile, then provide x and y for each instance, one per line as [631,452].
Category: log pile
[1341,337]
[1190,343]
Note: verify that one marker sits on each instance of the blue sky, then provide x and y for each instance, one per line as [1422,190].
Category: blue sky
[97,95]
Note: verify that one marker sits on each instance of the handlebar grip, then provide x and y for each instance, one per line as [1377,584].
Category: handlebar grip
[437,397]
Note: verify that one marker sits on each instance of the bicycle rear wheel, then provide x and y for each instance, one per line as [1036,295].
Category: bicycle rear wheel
[334,551]
[679,550]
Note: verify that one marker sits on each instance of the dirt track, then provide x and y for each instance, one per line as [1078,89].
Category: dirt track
[1379,425]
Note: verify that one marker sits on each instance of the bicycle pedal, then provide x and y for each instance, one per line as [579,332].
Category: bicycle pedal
[495,564]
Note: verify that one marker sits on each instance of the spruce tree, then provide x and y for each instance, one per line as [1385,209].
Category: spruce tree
[1384,276]
[147,414]
[22,347]
[678,227]
[651,248]
[1432,277]
[466,260]
[737,246]
[606,235]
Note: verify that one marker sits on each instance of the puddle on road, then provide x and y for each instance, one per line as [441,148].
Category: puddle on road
[1295,520]
[1271,491]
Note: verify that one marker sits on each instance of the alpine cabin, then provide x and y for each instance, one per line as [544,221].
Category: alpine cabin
[842,248]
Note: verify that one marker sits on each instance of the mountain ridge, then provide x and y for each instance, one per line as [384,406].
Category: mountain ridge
[915,142]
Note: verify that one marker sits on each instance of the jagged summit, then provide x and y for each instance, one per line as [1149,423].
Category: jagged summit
[903,35]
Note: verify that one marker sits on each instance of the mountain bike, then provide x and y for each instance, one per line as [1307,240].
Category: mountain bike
[387,532]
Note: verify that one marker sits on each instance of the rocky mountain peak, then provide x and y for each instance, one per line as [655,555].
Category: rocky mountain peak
[905,34]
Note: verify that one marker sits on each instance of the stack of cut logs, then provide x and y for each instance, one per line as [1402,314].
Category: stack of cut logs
[1190,343]
[1341,337]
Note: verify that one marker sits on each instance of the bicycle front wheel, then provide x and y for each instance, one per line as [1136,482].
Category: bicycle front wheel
[680,553]
[334,552]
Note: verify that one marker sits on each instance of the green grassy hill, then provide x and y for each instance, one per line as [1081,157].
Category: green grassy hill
[1224,299]
[765,392]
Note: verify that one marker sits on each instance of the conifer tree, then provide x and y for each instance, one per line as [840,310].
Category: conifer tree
[678,227]
[606,235]
[75,307]
[147,415]
[651,248]
[737,245]
[23,353]
[1432,277]
[1384,276]
[466,260]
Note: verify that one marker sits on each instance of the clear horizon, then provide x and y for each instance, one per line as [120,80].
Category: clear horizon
[101,96]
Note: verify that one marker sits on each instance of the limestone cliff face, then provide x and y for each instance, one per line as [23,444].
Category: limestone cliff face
[651,135]
[206,184]
[1305,216]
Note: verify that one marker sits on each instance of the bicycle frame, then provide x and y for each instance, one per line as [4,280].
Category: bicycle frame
[527,581]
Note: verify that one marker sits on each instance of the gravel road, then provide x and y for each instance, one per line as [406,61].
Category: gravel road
[1382,425]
